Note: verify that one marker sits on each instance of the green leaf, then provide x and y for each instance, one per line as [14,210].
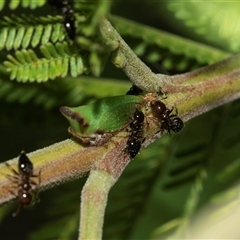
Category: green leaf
[14,4]
[30,30]
[46,68]
[103,116]
[173,51]
[218,24]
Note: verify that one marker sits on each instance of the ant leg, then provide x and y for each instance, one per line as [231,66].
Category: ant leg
[169,132]
[13,179]
[176,111]
[12,169]
[39,177]
[164,97]
[37,189]
[36,176]
[14,214]
[169,111]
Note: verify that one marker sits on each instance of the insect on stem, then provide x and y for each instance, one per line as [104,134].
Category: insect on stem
[27,188]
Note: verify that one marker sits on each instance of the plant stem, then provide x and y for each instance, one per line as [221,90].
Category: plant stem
[210,87]
[95,192]
[93,204]
[59,162]
[127,60]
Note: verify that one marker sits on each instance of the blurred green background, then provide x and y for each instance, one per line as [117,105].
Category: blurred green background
[171,179]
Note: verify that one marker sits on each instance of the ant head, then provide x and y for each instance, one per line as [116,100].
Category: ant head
[134,90]
[24,164]
[139,116]
[177,124]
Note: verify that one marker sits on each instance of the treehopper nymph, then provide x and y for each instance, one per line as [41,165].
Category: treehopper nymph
[95,123]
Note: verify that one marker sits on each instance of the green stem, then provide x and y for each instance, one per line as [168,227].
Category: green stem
[93,203]
[127,60]
[59,162]
[95,192]
[145,79]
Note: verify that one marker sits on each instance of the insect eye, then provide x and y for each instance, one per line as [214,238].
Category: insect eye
[177,124]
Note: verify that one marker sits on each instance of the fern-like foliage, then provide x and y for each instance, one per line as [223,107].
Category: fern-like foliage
[46,33]
[65,91]
[219,23]
[24,31]
[58,60]
[93,11]
[13,4]
[174,53]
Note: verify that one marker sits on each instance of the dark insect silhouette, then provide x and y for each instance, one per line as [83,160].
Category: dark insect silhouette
[135,139]
[65,8]
[168,121]
[22,180]
[134,90]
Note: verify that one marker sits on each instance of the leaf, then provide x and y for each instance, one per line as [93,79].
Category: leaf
[26,66]
[55,93]
[23,31]
[13,4]
[172,51]
[219,23]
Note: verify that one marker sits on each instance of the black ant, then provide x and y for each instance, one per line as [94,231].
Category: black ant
[134,90]
[68,16]
[169,122]
[23,179]
[135,140]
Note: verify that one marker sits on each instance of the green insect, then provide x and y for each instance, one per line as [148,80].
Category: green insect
[94,124]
